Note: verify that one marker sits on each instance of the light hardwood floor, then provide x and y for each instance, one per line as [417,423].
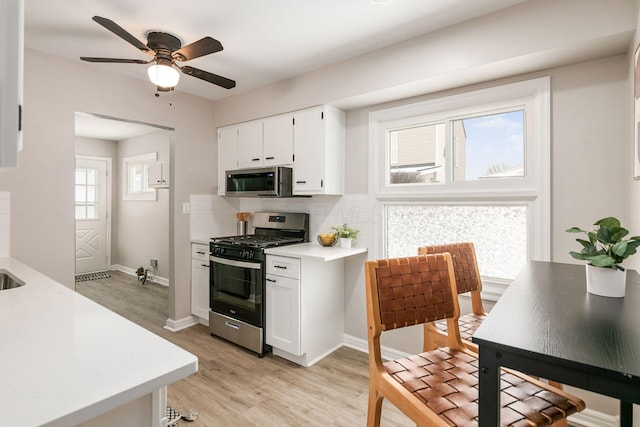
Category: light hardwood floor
[233,387]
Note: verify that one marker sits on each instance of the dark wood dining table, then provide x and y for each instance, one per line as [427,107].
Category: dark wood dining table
[546,324]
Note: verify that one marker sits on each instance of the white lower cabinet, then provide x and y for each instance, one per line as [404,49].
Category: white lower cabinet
[304,308]
[200,281]
[283,313]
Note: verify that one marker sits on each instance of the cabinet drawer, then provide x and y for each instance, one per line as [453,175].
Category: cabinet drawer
[283,266]
[200,251]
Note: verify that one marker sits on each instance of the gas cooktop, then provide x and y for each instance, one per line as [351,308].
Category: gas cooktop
[256,240]
[271,229]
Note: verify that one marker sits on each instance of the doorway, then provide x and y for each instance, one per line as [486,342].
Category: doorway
[138,218]
[92,214]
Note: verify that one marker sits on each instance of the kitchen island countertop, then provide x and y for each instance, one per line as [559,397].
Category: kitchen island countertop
[66,359]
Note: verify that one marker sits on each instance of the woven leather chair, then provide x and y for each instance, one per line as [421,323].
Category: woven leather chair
[467,277]
[439,387]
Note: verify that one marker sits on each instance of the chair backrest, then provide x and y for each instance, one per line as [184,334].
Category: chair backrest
[410,291]
[465,264]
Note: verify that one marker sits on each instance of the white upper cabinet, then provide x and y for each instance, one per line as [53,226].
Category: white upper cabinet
[266,142]
[11,57]
[311,141]
[277,142]
[159,175]
[250,145]
[227,154]
[318,147]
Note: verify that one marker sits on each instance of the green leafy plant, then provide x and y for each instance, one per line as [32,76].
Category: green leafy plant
[605,247]
[346,232]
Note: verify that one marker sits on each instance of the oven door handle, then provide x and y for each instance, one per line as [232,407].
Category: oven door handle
[234,263]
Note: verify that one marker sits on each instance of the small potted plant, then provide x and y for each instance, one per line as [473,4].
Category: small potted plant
[346,234]
[604,251]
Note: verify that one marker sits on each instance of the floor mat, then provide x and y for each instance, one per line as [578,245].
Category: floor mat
[91,276]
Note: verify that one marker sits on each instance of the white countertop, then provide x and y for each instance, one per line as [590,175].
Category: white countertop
[65,359]
[201,240]
[313,250]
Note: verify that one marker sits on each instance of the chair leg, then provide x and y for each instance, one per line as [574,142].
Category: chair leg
[375,408]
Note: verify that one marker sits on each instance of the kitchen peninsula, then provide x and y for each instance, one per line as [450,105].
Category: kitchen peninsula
[69,361]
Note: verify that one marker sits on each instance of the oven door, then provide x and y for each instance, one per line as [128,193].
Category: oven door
[237,289]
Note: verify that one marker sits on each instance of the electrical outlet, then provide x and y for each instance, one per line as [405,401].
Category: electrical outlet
[154,263]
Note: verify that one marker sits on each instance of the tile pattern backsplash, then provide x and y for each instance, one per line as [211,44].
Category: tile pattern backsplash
[213,215]
[5,222]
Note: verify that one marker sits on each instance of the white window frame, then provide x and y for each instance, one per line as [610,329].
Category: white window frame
[532,190]
[86,203]
[127,164]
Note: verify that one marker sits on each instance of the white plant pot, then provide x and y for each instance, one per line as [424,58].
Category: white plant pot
[345,243]
[606,282]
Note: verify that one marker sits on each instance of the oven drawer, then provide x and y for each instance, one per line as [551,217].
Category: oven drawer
[200,251]
[283,266]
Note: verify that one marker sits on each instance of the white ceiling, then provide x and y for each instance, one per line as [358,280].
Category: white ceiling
[264,41]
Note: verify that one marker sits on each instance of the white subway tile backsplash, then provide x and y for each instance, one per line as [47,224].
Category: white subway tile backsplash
[213,215]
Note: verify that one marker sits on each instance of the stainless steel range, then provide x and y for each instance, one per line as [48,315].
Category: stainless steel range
[237,276]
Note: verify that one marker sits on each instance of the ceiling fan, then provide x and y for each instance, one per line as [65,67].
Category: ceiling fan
[166,50]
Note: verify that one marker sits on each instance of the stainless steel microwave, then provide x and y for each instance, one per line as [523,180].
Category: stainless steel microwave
[263,182]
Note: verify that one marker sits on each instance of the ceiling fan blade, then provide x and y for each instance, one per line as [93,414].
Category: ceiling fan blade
[209,77]
[122,33]
[202,47]
[115,60]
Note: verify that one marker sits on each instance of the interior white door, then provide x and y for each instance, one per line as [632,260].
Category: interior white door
[91,212]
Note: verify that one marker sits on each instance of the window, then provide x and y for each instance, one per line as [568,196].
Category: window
[470,167]
[136,177]
[86,193]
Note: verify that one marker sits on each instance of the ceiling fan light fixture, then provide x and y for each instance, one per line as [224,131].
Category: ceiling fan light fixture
[163,75]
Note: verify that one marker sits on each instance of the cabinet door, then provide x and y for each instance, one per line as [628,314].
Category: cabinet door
[283,314]
[309,151]
[277,142]
[158,175]
[227,154]
[250,145]
[200,288]
[11,59]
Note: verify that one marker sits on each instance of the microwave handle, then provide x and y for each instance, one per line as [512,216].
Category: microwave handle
[234,263]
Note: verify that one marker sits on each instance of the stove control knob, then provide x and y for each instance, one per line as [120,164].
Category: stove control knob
[247,254]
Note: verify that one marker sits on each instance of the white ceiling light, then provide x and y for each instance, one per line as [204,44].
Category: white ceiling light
[163,75]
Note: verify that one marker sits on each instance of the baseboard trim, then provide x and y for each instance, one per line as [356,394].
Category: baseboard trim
[131,272]
[591,418]
[175,325]
[359,344]
[586,418]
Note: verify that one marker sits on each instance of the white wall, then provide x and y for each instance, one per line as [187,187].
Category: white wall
[633,186]
[143,225]
[42,184]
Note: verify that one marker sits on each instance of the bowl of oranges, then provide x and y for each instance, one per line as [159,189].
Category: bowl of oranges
[327,239]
